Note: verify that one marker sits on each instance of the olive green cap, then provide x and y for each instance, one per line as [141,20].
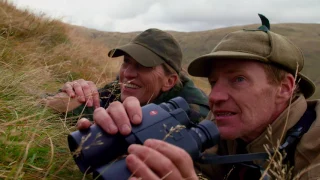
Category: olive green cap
[151,48]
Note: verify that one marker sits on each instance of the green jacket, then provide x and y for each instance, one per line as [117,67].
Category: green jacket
[196,99]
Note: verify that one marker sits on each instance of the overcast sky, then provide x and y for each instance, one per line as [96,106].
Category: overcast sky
[178,15]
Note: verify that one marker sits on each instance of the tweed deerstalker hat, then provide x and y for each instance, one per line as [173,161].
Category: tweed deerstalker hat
[260,45]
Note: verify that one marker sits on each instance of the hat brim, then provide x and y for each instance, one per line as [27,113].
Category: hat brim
[201,67]
[141,54]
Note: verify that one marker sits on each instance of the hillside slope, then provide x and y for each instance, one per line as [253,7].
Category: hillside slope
[194,44]
[38,55]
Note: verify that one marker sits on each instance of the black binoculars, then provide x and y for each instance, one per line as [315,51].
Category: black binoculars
[96,151]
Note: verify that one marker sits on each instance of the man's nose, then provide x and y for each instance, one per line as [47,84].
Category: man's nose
[219,93]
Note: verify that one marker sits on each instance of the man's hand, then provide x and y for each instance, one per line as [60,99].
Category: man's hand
[116,117]
[72,95]
[84,91]
[157,159]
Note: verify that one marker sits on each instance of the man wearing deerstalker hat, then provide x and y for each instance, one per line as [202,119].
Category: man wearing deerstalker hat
[258,102]
[256,81]
[151,71]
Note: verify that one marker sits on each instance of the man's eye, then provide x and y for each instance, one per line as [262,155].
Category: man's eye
[239,79]
[125,60]
[140,67]
[212,83]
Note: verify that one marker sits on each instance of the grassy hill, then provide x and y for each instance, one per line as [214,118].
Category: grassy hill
[194,44]
[38,55]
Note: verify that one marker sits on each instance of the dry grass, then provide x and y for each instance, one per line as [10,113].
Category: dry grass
[276,167]
[37,55]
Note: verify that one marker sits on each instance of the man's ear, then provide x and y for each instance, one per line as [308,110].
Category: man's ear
[169,82]
[286,90]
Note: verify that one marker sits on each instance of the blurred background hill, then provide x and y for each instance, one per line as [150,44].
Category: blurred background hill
[39,54]
[194,44]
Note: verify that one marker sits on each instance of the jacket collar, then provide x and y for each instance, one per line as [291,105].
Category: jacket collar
[287,119]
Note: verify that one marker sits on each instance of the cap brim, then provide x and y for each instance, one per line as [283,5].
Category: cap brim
[142,55]
[201,66]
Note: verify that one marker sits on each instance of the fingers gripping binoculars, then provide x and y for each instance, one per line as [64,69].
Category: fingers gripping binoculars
[96,151]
